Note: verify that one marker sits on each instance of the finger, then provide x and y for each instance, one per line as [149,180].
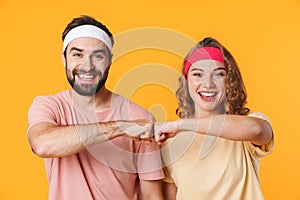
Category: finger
[160,137]
[134,138]
[149,133]
[157,136]
[144,136]
[146,141]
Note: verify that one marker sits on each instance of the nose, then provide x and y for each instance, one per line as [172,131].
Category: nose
[88,64]
[208,81]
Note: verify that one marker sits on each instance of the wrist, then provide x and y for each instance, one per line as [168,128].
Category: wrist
[110,130]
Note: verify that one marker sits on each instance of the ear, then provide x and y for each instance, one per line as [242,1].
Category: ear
[110,59]
[107,69]
[63,59]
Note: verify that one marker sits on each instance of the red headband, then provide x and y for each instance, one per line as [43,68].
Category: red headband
[203,53]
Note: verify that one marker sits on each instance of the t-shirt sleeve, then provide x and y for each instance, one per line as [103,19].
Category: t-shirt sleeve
[40,110]
[148,157]
[149,162]
[261,151]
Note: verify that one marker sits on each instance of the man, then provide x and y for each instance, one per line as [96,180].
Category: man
[89,136]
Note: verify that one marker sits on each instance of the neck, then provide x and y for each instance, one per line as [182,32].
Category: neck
[96,103]
[202,113]
[206,113]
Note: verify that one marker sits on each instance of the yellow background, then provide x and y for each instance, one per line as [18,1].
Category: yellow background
[262,35]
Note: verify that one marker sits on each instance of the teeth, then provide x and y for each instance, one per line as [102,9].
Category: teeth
[207,94]
[85,77]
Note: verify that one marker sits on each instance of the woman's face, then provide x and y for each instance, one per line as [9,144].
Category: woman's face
[206,79]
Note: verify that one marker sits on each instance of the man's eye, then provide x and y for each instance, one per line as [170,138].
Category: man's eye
[98,56]
[77,55]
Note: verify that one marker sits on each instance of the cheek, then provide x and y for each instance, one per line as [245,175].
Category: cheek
[219,82]
[193,84]
[192,91]
[102,65]
[69,69]
[69,72]
[221,85]
[71,64]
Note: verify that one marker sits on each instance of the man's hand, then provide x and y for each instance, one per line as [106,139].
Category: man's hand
[138,129]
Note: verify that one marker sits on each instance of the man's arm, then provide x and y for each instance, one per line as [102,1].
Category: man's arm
[169,191]
[151,190]
[49,140]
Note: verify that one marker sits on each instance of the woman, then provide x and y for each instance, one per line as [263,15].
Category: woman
[217,143]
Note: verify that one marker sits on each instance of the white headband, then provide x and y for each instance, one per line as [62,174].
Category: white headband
[87,31]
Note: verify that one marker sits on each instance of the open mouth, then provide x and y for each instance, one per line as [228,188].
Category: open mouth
[86,77]
[207,96]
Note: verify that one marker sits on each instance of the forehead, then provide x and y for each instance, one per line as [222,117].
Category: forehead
[207,65]
[87,44]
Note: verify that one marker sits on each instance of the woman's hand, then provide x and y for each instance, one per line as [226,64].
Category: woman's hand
[165,130]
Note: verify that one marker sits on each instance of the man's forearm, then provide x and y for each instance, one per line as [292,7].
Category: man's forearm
[48,140]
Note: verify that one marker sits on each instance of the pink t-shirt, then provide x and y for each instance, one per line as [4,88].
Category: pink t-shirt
[110,170]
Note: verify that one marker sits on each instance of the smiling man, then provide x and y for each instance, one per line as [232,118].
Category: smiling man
[96,144]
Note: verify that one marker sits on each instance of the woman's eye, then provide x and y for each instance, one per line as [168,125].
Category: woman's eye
[197,74]
[220,74]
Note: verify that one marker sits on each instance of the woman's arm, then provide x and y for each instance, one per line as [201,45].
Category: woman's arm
[232,127]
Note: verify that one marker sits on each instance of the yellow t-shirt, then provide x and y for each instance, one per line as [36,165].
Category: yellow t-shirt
[212,168]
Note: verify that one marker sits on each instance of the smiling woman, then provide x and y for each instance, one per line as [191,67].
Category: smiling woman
[225,144]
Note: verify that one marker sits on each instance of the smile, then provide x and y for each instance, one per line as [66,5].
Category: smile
[86,77]
[207,94]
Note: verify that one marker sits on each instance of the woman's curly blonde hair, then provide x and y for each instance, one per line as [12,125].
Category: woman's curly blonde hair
[236,95]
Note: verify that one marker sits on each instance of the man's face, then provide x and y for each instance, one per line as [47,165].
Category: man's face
[87,63]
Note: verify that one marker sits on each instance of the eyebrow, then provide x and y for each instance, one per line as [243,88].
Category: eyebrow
[216,69]
[75,49]
[100,51]
[81,50]
[195,69]
[220,68]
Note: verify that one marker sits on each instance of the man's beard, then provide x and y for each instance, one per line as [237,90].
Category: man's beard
[87,89]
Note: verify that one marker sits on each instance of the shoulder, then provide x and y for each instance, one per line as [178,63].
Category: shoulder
[62,96]
[121,100]
[261,151]
[51,102]
[126,106]
[47,108]
[260,115]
